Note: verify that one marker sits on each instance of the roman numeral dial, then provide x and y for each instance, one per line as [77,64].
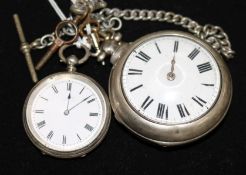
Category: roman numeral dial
[170,79]
[66,114]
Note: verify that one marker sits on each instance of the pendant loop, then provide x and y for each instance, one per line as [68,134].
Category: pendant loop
[74,61]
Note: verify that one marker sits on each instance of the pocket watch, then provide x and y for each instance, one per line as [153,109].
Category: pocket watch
[67,114]
[170,88]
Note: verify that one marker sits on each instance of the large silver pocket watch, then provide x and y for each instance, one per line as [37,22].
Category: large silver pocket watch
[170,87]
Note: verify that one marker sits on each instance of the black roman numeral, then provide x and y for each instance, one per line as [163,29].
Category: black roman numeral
[93,114]
[79,137]
[39,111]
[142,56]
[158,48]
[88,127]
[162,109]
[41,124]
[176,47]
[50,135]
[55,89]
[64,140]
[183,110]
[204,67]
[135,72]
[133,89]
[208,85]
[92,100]
[147,102]
[44,98]
[69,86]
[82,90]
[199,101]
[193,54]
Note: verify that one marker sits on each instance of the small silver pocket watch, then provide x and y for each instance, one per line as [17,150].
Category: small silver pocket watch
[170,87]
[67,114]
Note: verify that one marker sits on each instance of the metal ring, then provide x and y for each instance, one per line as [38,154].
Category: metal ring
[37,44]
[69,30]
[113,22]
[80,61]
[47,40]
[60,28]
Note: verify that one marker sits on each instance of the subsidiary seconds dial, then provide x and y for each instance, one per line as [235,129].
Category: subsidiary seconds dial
[171,80]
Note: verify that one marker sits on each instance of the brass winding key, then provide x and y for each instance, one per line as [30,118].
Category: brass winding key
[61,39]
[66,38]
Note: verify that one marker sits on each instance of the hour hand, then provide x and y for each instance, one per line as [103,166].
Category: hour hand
[68,99]
[171,75]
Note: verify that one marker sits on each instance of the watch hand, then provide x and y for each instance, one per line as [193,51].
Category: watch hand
[171,75]
[173,63]
[68,100]
[69,97]
[78,104]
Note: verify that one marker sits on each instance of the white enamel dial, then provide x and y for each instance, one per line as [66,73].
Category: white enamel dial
[66,113]
[171,80]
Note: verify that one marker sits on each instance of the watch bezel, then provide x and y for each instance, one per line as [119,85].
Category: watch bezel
[168,135]
[106,117]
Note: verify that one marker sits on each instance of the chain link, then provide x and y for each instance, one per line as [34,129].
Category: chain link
[45,41]
[213,35]
[112,24]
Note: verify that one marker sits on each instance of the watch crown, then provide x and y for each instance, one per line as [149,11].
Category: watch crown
[72,61]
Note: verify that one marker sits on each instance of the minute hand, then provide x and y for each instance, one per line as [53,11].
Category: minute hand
[79,103]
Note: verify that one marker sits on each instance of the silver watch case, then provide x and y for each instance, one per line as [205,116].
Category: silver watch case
[33,136]
[167,135]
